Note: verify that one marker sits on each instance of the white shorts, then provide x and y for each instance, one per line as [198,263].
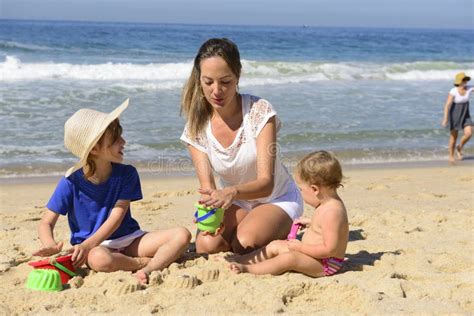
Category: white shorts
[291,202]
[123,242]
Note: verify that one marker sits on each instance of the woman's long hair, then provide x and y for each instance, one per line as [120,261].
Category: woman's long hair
[197,111]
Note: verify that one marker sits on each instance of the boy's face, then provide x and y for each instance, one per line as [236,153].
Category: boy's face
[309,192]
[111,152]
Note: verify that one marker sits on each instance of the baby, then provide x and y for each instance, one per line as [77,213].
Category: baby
[321,251]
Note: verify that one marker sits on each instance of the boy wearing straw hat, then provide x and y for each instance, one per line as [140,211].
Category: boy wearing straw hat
[95,194]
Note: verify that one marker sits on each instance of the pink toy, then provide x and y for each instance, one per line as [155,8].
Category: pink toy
[293,231]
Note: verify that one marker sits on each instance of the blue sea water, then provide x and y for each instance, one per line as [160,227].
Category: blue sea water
[369,95]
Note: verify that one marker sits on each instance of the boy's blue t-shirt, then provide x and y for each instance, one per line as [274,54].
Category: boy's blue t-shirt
[88,205]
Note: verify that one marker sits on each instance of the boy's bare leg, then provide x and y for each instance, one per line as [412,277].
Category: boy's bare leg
[288,261]
[102,259]
[163,247]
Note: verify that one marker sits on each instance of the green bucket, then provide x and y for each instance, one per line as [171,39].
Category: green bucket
[208,218]
[44,280]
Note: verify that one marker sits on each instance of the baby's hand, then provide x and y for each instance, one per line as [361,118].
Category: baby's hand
[49,250]
[304,221]
[294,244]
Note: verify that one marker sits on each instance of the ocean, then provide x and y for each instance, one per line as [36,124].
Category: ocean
[369,95]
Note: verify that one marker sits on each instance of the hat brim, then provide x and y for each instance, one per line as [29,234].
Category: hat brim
[466,78]
[112,116]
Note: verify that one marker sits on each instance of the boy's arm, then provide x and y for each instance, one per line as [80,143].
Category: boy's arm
[80,252]
[45,232]
[330,226]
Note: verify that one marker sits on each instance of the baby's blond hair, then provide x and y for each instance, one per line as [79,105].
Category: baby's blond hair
[320,168]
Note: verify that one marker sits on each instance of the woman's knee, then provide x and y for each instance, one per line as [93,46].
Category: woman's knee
[468,132]
[100,260]
[245,242]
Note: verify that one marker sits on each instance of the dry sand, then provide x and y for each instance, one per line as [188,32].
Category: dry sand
[410,251]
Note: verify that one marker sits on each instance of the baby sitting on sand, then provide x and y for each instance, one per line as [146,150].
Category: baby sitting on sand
[321,251]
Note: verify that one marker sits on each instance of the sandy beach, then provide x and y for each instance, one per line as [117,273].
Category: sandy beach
[410,251]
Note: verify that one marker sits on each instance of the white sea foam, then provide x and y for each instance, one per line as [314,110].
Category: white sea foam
[171,75]
[30,47]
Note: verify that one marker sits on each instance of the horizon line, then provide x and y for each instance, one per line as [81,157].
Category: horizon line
[303,25]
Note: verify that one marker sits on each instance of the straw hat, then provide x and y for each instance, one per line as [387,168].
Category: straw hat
[84,129]
[460,77]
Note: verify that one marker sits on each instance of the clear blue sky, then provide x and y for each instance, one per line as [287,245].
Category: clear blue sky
[364,13]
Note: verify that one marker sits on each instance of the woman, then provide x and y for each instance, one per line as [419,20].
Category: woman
[456,113]
[234,136]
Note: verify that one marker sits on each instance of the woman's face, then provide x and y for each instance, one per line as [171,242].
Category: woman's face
[218,82]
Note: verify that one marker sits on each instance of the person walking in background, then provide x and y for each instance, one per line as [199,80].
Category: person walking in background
[456,115]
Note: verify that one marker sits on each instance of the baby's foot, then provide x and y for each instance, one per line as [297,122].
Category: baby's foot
[238,267]
[459,152]
[142,277]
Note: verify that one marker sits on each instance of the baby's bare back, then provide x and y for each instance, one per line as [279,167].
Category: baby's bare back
[332,212]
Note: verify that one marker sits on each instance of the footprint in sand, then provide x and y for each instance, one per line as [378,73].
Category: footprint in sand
[466,179]
[183,281]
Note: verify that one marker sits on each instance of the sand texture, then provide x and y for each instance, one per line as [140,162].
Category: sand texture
[410,251]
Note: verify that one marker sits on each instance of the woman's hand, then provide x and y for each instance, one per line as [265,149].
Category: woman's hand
[304,221]
[444,122]
[49,250]
[79,254]
[218,198]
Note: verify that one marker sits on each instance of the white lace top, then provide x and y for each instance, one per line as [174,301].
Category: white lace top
[237,163]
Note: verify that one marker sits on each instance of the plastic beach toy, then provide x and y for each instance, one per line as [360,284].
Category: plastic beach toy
[63,265]
[44,280]
[293,231]
[208,218]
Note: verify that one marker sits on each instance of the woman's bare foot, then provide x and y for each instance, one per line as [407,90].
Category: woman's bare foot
[238,267]
[142,277]
[459,152]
